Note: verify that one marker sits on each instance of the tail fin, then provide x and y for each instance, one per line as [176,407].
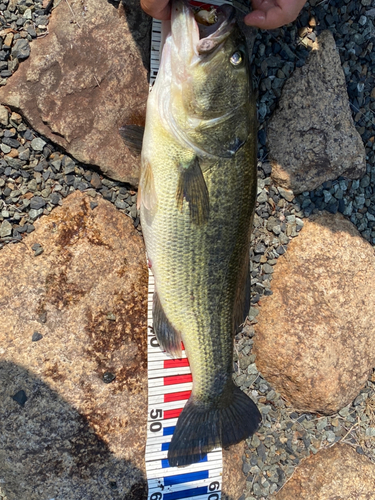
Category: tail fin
[199,430]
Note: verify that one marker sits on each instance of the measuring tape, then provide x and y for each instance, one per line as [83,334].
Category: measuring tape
[169,388]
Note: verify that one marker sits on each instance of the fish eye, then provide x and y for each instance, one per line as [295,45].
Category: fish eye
[236,58]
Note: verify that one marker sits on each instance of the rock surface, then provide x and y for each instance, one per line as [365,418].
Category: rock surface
[86,296]
[234,481]
[72,92]
[337,473]
[314,337]
[311,136]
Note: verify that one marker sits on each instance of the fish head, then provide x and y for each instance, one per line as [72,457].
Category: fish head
[207,103]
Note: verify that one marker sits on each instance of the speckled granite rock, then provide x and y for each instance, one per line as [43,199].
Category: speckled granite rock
[234,481]
[337,473]
[75,437]
[315,335]
[70,90]
[311,136]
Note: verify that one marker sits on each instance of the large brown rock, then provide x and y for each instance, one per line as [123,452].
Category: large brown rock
[315,334]
[311,136]
[75,437]
[337,473]
[85,80]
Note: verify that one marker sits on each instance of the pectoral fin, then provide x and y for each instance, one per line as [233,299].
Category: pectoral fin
[133,137]
[147,186]
[192,187]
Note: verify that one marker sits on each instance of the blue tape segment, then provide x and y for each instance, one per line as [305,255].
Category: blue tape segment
[168,431]
[186,478]
[186,493]
[165,463]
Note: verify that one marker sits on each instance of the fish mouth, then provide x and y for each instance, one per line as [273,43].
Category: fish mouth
[214,29]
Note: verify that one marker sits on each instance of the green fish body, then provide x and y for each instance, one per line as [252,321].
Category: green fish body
[197,195]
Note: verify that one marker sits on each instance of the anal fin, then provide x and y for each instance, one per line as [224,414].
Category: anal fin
[169,339]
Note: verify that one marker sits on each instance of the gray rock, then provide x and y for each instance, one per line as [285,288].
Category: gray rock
[24,155]
[21,49]
[5,229]
[27,14]
[4,116]
[37,202]
[311,137]
[35,213]
[56,164]
[267,268]
[38,144]
[55,198]
[287,194]
[36,336]
[262,197]
[32,185]
[120,204]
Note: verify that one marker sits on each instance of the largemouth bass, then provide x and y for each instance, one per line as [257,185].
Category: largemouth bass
[197,195]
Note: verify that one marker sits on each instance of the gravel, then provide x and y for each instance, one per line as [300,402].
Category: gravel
[35,177]
[21,22]
[287,435]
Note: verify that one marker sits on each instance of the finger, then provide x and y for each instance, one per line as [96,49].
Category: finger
[273,18]
[159,9]
[263,4]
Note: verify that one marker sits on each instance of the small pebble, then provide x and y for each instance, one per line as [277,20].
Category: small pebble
[108,377]
[36,336]
[20,397]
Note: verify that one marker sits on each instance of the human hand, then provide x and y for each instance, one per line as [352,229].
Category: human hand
[267,14]
[271,14]
[159,9]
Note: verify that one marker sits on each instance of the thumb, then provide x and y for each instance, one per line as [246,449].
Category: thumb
[256,18]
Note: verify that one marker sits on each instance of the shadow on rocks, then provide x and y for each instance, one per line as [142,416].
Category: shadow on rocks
[49,451]
[139,24]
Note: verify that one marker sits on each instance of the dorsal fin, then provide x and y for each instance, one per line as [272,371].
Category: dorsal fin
[133,137]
